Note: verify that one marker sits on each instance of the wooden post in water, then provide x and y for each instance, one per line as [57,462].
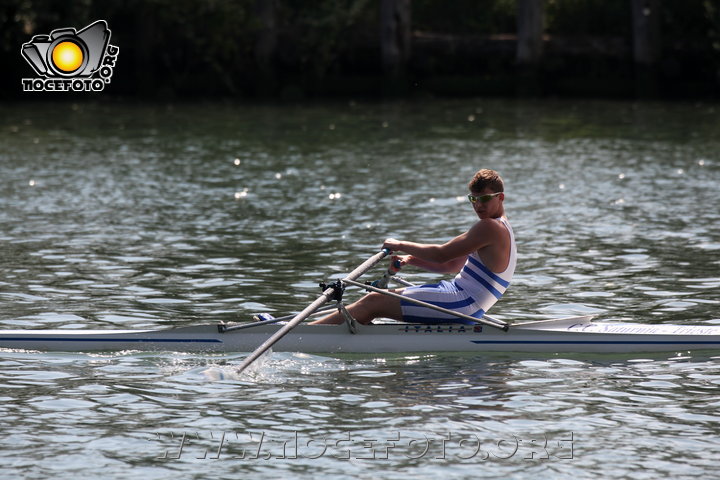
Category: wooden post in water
[395,36]
[530,25]
[646,46]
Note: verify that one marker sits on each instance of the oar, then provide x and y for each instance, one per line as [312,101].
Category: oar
[330,293]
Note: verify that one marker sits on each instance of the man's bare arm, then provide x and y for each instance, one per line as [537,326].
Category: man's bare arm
[480,235]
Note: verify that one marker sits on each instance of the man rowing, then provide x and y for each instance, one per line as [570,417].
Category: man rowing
[483,258]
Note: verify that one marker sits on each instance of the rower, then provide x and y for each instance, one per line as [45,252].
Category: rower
[485,257]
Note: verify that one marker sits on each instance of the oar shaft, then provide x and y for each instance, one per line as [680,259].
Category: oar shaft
[492,323]
[403,282]
[326,296]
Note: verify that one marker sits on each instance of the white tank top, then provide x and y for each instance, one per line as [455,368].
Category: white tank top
[482,284]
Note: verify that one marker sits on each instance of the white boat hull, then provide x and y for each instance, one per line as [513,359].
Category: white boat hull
[577,335]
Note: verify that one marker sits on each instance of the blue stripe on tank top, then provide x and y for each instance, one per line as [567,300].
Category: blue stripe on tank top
[484,283]
[489,272]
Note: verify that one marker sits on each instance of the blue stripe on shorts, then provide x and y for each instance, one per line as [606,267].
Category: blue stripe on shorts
[443,294]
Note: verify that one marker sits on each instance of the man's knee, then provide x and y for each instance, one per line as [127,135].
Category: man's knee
[370,303]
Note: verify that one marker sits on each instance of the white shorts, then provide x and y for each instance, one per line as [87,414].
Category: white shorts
[444,294]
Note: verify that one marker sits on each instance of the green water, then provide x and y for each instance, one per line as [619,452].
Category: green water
[130,216]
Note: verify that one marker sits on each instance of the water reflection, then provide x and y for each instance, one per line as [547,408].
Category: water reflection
[608,405]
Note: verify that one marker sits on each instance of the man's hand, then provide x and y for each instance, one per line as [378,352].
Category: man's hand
[392,244]
[398,261]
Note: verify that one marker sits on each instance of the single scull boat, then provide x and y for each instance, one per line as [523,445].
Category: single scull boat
[574,334]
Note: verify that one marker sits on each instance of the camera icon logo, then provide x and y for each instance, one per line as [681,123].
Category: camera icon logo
[71,60]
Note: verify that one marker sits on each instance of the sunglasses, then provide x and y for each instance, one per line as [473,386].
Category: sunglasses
[482,198]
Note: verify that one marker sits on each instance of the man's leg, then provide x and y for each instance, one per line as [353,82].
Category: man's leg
[371,306]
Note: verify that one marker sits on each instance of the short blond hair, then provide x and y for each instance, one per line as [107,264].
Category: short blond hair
[486,178]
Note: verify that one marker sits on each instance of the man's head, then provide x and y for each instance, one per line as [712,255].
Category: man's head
[486,194]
